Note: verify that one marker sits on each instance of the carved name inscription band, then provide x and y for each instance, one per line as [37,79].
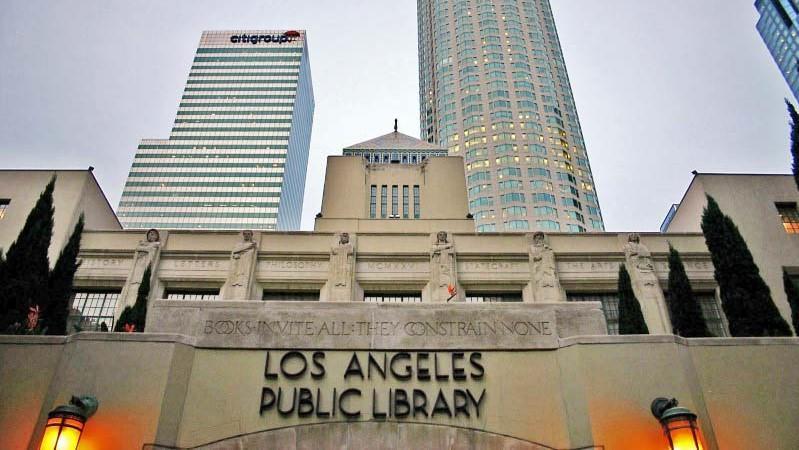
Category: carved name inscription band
[360,326]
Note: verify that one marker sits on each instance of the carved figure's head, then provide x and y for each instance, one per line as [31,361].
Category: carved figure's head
[539,238]
[634,238]
[153,235]
[441,237]
[246,235]
[344,238]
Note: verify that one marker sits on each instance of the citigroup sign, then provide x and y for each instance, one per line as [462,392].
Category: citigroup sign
[288,36]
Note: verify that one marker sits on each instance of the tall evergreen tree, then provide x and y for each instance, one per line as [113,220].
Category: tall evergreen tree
[794,140]
[56,309]
[26,267]
[792,293]
[686,314]
[135,315]
[631,319]
[745,297]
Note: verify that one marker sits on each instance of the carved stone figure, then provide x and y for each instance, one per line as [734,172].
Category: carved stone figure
[146,254]
[242,268]
[342,261]
[639,259]
[443,269]
[544,275]
[646,286]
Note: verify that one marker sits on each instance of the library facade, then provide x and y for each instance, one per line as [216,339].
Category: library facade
[409,331]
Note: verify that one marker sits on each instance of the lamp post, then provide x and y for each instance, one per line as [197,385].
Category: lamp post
[679,424]
[65,424]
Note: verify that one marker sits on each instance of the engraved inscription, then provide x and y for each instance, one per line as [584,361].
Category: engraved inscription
[482,266]
[490,328]
[391,266]
[197,264]
[293,265]
[94,263]
[590,266]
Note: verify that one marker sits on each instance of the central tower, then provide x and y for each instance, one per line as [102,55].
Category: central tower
[493,88]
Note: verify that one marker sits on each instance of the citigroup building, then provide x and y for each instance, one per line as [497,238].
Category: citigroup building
[238,151]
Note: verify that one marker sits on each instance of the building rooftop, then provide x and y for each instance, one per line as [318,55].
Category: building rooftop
[394,141]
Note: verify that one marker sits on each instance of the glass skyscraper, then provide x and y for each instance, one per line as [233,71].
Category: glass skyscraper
[493,88]
[238,152]
[777,26]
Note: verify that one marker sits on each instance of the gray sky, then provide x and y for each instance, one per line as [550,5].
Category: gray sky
[662,87]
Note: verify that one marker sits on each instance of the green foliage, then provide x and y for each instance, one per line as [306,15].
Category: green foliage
[794,140]
[792,292]
[745,297]
[685,312]
[135,315]
[631,319]
[56,310]
[26,269]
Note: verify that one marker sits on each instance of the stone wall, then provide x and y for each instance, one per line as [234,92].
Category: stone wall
[168,391]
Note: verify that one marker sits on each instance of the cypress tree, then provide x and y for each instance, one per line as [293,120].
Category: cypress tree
[686,314]
[745,297]
[26,267]
[794,140]
[56,310]
[792,293]
[631,319]
[135,315]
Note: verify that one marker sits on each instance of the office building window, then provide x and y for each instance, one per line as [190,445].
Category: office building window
[711,312]
[392,297]
[383,201]
[96,308]
[790,217]
[192,294]
[610,307]
[416,203]
[395,201]
[405,208]
[291,296]
[373,202]
[485,297]
[4,202]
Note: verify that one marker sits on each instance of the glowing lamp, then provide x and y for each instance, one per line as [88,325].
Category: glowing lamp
[679,425]
[65,424]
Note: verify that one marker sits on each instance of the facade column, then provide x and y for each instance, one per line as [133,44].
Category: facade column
[646,286]
[146,254]
[443,286]
[241,271]
[544,285]
[341,285]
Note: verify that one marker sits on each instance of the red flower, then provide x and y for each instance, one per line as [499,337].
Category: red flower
[129,328]
[33,317]
[452,290]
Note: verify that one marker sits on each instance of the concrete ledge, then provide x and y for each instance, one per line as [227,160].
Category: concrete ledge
[369,435]
[97,336]
[673,339]
[562,342]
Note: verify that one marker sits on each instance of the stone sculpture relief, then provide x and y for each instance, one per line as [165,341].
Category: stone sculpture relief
[147,253]
[544,273]
[443,269]
[241,273]
[342,260]
[639,259]
[646,286]
[341,270]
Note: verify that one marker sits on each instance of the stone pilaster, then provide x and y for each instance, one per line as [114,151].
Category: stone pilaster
[341,285]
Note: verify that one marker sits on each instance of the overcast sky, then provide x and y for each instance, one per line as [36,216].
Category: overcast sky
[662,87]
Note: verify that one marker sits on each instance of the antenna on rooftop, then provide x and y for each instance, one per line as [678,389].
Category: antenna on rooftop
[395,125]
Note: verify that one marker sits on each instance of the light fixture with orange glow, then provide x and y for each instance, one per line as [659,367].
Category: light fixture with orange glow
[679,425]
[65,424]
